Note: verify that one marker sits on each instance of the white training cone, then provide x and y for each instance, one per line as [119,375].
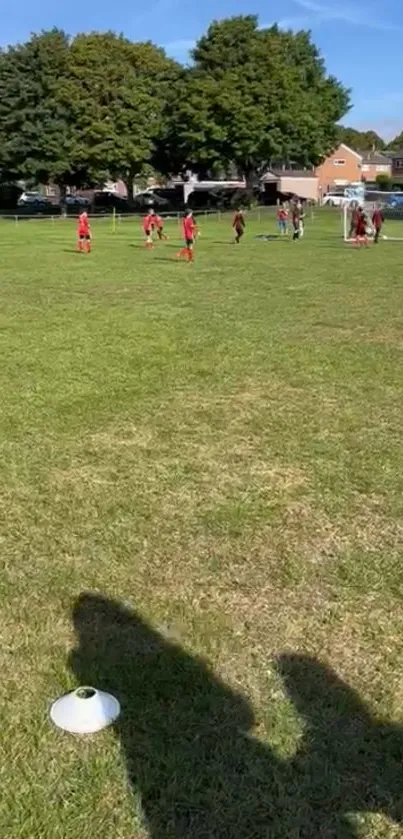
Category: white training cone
[85,711]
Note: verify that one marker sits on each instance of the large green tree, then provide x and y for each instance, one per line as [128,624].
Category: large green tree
[77,111]
[254,96]
[121,109]
[38,139]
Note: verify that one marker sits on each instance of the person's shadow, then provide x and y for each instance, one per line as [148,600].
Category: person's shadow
[190,752]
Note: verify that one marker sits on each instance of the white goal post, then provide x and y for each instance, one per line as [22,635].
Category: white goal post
[391,206]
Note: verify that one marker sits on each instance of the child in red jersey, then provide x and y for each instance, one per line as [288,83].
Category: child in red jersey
[361,228]
[377,222]
[148,227]
[189,232]
[239,225]
[355,211]
[159,226]
[282,219]
[84,233]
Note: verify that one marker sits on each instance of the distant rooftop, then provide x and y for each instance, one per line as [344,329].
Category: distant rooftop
[288,173]
[376,157]
[395,154]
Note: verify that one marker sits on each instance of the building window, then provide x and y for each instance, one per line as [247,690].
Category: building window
[365,167]
[399,164]
[382,168]
[339,162]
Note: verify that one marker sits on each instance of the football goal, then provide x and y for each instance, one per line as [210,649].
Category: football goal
[391,207]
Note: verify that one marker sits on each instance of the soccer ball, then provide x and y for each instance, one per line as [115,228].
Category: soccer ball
[384,237]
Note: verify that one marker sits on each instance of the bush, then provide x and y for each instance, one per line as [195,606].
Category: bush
[384,182]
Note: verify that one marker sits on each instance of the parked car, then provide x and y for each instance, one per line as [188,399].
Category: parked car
[32,203]
[105,202]
[334,199]
[147,199]
[74,204]
[393,206]
[174,196]
[32,199]
[76,201]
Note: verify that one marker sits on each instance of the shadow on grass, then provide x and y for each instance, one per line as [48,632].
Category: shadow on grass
[189,750]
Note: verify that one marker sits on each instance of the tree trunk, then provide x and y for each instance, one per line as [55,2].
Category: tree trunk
[62,202]
[129,184]
[250,179]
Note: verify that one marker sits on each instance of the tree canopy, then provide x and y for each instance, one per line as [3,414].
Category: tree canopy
[360,140]
[256,95]
[397,143]
[37,136]
[79,110]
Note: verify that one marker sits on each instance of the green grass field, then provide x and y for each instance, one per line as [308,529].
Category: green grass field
[202,511]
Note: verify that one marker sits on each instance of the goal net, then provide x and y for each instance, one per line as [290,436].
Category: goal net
[391,206]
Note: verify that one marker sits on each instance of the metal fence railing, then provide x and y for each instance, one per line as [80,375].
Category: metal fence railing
[116,218]
[16,217]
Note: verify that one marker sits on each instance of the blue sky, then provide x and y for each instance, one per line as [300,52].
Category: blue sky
[361,40]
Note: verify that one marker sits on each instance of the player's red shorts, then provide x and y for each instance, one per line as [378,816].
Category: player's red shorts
[84,233]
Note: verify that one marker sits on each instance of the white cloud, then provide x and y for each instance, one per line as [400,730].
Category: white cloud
[351,14]
[295,22]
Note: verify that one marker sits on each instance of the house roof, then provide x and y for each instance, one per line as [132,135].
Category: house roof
[376,157]
[295,173]
[395,155]
[352,151]
[275,174]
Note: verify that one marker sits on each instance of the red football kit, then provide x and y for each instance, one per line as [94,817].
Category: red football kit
[84,232]
[83,225]
[377,219]
[189,229]
[239,226]
[360,227]
[159,225]
[239,221]
[148,223]
[355,216]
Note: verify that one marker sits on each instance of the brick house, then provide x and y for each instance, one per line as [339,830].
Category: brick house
[340,168]
[397,163]
[375,163]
